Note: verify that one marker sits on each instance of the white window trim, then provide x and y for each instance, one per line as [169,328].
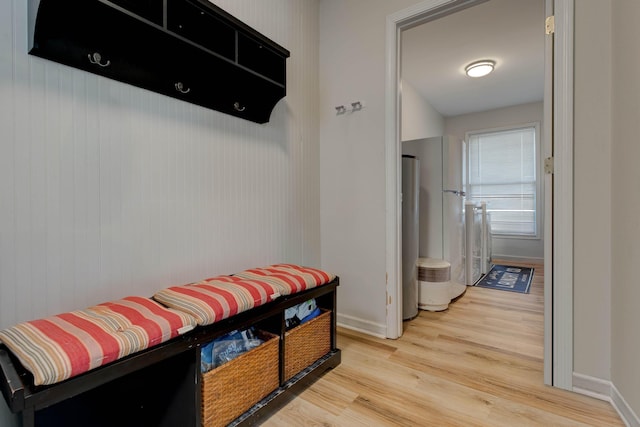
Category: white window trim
[539,175]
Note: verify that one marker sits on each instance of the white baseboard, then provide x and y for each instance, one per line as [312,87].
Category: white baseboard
[607,391]
[360,325]
[528,260]
[591,386]
[626,413]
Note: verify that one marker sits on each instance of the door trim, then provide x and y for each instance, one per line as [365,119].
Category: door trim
[548,201]
[562,275]
[558,371]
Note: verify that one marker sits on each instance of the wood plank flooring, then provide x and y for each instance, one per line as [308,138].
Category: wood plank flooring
[479,363]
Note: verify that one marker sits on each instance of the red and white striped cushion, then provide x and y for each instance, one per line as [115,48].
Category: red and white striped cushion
[217,298]
[68,344]
[289,278]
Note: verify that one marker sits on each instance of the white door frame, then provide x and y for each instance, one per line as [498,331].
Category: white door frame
[558,287]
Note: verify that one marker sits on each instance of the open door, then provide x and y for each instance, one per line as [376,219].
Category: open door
[558,146]
[547,150]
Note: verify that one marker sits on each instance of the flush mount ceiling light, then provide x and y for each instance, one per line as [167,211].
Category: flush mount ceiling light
[479,68]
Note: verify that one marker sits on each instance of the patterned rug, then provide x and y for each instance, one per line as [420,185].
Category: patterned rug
[508,278]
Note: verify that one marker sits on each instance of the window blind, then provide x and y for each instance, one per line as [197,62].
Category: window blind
[502,172]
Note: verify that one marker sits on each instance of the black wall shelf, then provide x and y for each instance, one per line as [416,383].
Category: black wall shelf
[186,49]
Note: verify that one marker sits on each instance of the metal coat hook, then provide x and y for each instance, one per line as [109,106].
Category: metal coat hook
[355,106]
[96,59]
[180,88]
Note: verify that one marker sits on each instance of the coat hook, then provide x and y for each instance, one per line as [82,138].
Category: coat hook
[340,109]
[356,106]
[96,59]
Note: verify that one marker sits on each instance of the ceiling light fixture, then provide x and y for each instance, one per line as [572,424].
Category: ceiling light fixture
[479,68]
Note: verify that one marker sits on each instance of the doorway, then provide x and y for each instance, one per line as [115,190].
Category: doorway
[558,107]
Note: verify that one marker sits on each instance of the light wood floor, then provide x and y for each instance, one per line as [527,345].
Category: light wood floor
[479,363]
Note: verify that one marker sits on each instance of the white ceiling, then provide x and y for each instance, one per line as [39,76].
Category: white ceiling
[510,32]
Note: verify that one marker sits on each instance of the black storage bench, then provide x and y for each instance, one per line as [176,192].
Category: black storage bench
[163,385]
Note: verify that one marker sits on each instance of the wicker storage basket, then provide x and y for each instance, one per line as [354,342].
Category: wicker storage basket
[307,343]
[231,389]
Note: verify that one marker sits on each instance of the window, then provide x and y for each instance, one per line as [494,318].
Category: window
[502,171]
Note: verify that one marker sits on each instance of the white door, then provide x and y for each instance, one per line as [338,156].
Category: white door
[558,358]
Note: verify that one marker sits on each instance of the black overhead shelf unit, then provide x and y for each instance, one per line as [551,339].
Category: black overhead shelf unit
[187,49]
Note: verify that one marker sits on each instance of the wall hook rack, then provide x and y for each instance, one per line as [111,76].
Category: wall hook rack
[355,106]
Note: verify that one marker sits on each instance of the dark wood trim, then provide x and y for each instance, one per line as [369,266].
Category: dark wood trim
[12,387]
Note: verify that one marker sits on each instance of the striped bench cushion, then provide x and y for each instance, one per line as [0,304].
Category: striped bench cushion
[68,344]
[289,278]
[217,298]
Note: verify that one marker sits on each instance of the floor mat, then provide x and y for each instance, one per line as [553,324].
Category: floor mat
[508,278]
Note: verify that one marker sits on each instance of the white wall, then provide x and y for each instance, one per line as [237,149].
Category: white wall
[607,228]
[352,150]
[419,119]
[109,190]
[352,183]
[505,248]
[625,351]
[592,190]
